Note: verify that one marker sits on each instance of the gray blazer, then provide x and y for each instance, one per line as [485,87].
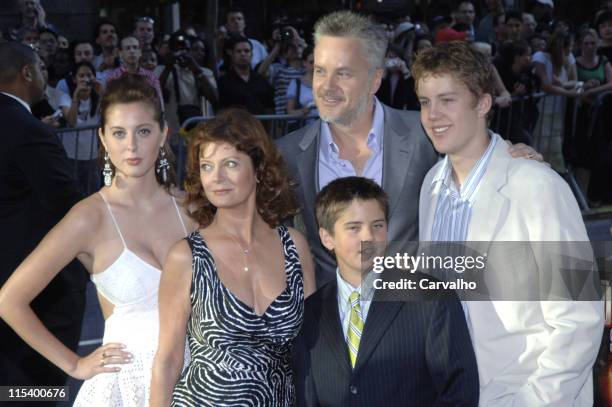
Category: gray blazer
[407,156]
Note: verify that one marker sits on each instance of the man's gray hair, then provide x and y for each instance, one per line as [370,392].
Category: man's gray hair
[350,24]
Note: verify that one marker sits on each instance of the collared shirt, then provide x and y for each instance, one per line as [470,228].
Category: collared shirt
[344,305]
[19,100]
[454,209]
[331,166]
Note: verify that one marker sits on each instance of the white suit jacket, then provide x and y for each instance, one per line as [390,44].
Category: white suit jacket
[537,353]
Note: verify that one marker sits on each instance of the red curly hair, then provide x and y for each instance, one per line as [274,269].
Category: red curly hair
[274,198]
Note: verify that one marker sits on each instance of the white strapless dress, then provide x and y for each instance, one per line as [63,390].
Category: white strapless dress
[131,285]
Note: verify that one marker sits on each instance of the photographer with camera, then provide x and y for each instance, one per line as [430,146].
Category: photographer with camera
[84,106]
[80,50]
[283,64]
[82,145]
[185,83]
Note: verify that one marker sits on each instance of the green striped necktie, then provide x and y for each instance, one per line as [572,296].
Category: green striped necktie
[355,327]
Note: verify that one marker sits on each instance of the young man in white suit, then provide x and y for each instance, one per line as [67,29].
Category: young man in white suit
[529,353]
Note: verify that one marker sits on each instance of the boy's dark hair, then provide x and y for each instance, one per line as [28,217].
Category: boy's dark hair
[336,196]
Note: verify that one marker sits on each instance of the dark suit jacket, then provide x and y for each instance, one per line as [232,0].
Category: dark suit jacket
[407,156]
[412,353]
[37,188]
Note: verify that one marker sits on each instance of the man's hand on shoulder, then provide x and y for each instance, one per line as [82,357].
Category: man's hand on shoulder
[523,150]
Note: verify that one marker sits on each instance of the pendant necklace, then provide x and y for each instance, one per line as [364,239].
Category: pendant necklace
[245,252]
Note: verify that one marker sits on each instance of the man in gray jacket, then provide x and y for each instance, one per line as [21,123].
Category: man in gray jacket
[357,135]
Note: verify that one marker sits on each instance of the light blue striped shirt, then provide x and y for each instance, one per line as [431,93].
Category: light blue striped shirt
[344,305]
[454,209]
[331,166]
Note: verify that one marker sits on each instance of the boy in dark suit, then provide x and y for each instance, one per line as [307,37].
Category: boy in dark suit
[359,350]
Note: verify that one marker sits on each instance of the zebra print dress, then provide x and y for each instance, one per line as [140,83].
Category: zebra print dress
[239,358]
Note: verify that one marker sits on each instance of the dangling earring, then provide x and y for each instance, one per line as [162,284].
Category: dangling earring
[107,172]
[163,165]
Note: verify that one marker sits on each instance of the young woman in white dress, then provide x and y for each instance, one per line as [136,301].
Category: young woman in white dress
[122,235]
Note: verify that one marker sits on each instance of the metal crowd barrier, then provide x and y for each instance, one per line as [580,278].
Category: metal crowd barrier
[81,145]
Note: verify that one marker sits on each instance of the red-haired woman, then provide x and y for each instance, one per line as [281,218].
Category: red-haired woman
[236,286]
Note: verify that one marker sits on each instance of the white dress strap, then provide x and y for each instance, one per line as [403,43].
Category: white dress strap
[114,220]
[178,212]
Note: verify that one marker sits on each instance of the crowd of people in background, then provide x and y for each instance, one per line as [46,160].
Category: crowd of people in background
[532,51]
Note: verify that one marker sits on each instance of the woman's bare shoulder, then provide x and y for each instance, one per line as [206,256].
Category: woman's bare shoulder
[179,256]
[87,213]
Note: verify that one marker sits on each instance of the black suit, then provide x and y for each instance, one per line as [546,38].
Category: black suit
[412,353]
[37,188]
